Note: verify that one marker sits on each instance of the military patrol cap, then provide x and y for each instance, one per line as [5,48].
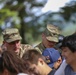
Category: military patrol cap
[52,32]
[11,34]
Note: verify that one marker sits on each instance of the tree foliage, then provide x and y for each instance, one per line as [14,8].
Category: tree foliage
[69,11]
[25,15]
[15,13]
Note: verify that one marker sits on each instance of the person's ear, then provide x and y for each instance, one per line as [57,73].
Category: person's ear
[4,45]
[40,61]
[43,35]
[3,42]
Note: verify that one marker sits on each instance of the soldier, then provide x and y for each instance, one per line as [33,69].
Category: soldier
[49,38]
[12,41]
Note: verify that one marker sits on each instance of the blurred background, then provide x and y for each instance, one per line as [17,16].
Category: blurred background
[32,16]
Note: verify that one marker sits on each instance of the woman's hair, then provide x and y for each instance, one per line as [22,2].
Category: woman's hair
[10,61]
[70,42]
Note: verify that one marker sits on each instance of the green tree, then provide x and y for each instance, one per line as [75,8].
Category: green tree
[16,12]
[69,11]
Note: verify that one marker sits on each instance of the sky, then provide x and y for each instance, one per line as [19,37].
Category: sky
[54,5]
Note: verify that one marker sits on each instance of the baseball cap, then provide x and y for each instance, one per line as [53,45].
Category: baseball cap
[52,32]
[51,55]
[11,34]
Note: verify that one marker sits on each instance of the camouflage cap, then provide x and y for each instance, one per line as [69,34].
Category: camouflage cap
[11,34]
[52,32]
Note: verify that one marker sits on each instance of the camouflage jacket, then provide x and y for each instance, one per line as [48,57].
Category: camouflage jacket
[23,49]
[40,47]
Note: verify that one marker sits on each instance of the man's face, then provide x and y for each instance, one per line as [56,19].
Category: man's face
[15,46]
[69,56]
[35,69]
[57,63]
[39,68]
[47,43]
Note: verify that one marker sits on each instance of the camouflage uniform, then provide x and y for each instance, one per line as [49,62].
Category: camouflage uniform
[52,33]
[40,47]
[11,35]
[23,49]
